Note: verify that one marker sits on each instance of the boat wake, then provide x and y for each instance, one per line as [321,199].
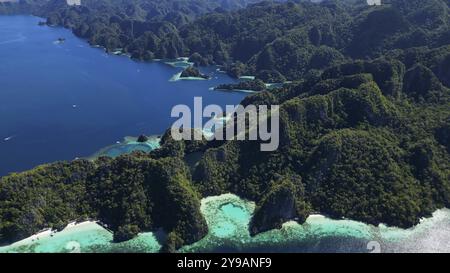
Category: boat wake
[9,138]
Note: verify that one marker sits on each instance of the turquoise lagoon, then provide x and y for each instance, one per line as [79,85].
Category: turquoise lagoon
[127,146]
[228,217]
[87,237]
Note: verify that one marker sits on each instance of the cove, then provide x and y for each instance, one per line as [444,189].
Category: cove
[228,217]
[66,100]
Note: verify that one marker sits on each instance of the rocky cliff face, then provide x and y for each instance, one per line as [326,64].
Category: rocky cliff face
[283,202]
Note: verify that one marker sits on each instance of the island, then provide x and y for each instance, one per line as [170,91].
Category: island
[249,85]
[193,73]
[142,138]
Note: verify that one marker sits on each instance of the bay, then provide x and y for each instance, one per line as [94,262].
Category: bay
[62,100]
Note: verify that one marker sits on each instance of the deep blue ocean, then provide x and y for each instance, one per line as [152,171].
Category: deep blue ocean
[59,101]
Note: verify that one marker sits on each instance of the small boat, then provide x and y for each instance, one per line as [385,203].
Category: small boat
[61,40]
[8,138]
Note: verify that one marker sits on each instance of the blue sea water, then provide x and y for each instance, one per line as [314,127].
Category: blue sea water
[59,101]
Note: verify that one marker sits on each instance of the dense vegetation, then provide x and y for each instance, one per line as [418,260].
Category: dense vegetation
[193,72]
[359,142]
[253,85]
[128,195]
[269,39]
[364,127]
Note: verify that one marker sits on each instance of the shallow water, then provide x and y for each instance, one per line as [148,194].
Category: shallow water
[85,238]
[59,101]
[228,217]
[127,146]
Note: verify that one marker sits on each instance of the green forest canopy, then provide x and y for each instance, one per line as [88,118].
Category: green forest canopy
[364,127]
